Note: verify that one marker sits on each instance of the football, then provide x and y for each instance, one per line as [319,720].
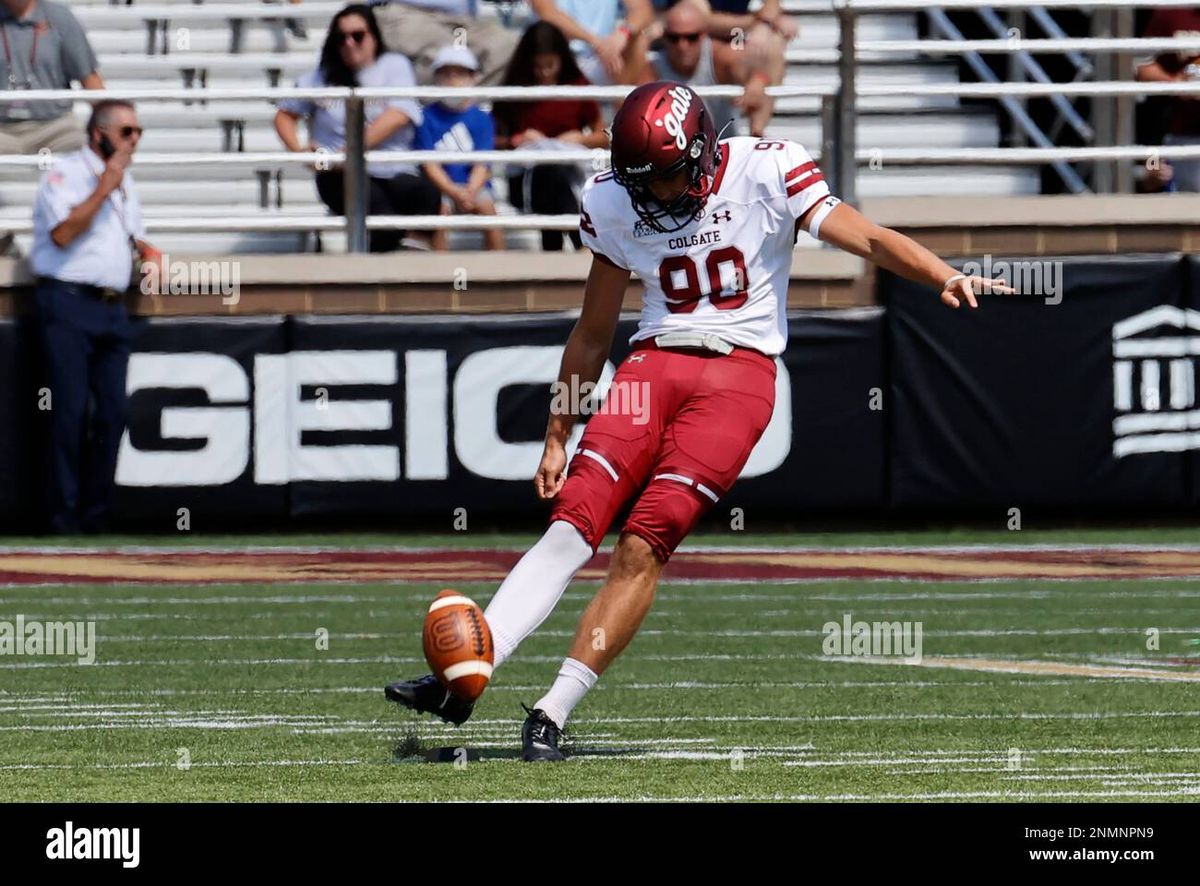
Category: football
[458,644]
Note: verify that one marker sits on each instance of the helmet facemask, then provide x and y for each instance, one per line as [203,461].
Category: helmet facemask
[685,208]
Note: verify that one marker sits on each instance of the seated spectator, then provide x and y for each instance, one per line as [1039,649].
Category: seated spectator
[355,55]
[45,47]
[1183,116]
[543,58]
[605,50]
[459,125]
[419,28]
[689,55]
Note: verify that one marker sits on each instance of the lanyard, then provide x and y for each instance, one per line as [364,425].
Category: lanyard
[8,49]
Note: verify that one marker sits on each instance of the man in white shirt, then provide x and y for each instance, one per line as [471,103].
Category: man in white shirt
[87,226]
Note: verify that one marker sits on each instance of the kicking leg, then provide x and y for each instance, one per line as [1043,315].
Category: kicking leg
[703,450]
[608,624]
[527,596]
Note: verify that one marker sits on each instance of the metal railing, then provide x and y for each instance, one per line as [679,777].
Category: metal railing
[1110,120]
[353,159]
[840,155]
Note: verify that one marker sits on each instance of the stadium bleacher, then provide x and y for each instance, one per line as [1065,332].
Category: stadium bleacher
[179,43]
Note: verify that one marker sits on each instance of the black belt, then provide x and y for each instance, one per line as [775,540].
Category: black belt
[100,293]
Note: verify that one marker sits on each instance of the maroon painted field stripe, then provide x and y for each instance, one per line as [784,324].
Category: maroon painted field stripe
[459,566]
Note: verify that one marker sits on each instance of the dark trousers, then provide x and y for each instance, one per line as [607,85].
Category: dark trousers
[86,344]
[551,194]
[403,194]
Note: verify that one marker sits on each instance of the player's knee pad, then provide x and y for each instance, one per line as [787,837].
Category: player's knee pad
[668,510]
[589,500]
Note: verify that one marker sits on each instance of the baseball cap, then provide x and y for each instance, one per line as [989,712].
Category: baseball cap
[459,56]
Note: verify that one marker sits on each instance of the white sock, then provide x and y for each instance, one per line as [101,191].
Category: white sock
[534,587]
[572,684]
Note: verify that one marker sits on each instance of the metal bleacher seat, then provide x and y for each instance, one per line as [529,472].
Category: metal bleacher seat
[183,43]
[894,121]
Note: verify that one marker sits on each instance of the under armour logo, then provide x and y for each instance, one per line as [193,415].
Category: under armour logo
[719,217]
[637,358]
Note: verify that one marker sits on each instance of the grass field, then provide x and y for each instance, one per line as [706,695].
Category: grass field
[1029,688]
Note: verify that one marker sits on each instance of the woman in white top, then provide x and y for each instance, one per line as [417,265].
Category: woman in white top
[355,55]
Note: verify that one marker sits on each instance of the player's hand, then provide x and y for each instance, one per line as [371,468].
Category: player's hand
[552,472]
[960,288]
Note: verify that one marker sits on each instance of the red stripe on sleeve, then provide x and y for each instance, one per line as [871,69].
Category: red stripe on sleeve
[795,189]
[800,170]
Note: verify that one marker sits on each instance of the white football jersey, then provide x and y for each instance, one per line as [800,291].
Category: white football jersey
[727,272]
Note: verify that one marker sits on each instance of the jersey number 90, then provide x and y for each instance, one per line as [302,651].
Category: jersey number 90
[682,299]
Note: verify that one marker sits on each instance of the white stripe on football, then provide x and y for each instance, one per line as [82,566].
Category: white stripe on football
[459,600]
[467,669]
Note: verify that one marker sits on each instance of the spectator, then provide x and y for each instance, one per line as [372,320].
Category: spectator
[44,47]
[544,58]
[87,224]
[730,19]
[1183,117]
[690,56]
[605,51]
[356,55]
[459,125]
[296,25]
[756,43]
[419,28]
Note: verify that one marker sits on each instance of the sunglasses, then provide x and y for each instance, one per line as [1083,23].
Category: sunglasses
[673,37]
[128,131]
[357,36]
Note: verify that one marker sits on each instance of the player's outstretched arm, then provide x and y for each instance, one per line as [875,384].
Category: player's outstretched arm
[583,360]
[847,228]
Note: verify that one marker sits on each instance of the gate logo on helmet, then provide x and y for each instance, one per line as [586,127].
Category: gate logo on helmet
[672,121]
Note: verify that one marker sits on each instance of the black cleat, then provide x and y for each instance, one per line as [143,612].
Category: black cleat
[426,695]
[539,738]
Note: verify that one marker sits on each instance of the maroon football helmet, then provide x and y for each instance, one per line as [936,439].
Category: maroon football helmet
[662,128]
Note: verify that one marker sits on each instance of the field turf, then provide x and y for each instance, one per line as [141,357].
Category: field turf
[1029,688]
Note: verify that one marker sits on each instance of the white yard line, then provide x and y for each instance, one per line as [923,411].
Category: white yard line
[1023,666]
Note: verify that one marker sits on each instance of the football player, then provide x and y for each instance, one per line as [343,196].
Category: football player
[709,228]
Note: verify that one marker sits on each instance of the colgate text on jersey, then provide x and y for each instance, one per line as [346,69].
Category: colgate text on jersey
[702,239]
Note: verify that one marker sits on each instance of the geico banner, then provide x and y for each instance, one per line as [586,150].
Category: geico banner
[193,405]
[411,416]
